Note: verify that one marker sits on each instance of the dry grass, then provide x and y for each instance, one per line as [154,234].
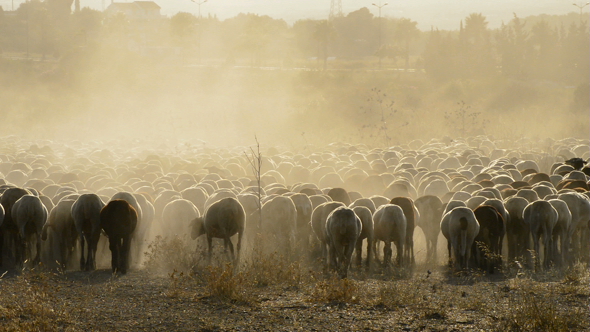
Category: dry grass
[538,306]
[225,284]
[30,303]
[167,255]
[268,282]
[335,290]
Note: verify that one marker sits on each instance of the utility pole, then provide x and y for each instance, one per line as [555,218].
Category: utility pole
[335,9]
[581,7]
[379,47]
[28,19]
[199,3]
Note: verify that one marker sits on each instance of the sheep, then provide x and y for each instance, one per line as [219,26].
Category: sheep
[579,206]
[541,217]
[162,199]
[451,205]
[130,198]
[339,195]
[223,219]
[389,225]
[279,220]
[177,217]
[529,194]
[576,163]
[86,213]
[499,206]
[366,218]
[217,196]
[437,187]
[560,231]
[409,210]
[431,209]
[491,232]
[544,191]
[318,223]
[517,231]
[343,228]
[143,224]
[304,210]
[366,202]
[60,235]
[1,215]
[118,219]
[9,233]
[29,215]
[317,200]
[198,196]
[460,227]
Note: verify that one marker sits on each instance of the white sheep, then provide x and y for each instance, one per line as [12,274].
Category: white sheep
[223,219]
[389,225]
[343,228]
[460,227]
[541,218]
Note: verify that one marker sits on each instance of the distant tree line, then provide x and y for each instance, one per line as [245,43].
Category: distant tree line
[545,48]
[539,51]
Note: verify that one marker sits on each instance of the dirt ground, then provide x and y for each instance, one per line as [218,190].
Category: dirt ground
[221,300]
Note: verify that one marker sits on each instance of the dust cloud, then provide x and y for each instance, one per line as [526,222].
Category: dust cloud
[357,78]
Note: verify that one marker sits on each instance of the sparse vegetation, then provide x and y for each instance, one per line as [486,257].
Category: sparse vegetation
[336,290]
[225,284]
[270,287]
[31,302]
[165,255]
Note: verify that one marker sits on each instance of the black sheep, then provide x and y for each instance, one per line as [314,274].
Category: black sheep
[118,219]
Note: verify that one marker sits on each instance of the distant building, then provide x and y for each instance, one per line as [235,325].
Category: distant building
[136,10]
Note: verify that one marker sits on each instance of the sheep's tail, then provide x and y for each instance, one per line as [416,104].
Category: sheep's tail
[463,223]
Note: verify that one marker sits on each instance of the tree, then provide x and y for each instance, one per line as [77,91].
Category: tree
[355,34]
[476,29]
[475,47]
[303,32]
[440,56]
[575,53]
[513,49]
[182,27]
[544,45]
[37,27]
[85,26]
[406,32]
[324,32]
[254,36]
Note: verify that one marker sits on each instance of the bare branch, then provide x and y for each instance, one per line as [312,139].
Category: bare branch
[255,161]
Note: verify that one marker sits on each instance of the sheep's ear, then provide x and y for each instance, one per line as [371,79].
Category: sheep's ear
[197,228]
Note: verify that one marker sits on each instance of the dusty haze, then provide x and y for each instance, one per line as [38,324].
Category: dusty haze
[101,76]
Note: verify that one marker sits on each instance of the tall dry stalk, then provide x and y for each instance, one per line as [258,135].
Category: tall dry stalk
[255,160]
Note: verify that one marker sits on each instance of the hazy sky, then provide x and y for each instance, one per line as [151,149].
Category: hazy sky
[443,14]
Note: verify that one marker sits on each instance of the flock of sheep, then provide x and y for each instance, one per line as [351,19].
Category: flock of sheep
[65,201]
